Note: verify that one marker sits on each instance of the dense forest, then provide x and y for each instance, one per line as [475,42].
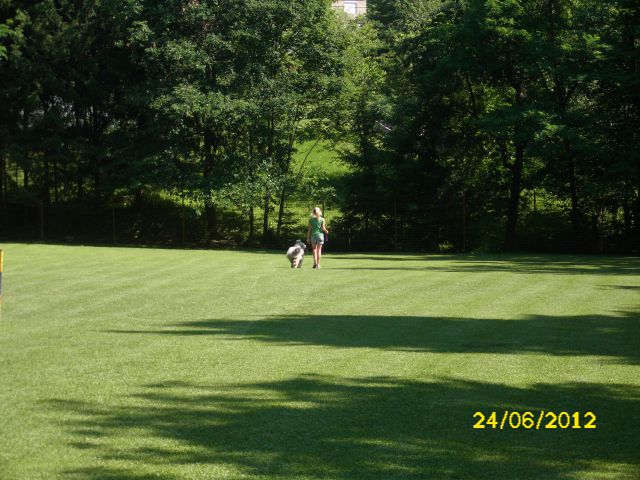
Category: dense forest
[467,125]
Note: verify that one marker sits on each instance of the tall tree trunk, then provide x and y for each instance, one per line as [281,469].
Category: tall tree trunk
[252,232]
[464,221]
[183,221]
[46,184]
[3,188]
[265,217]
[96,154]
[79,179]
[635,229]
[513,208]
[270,155]
[252,179]
[25,204]
[96,181]
[287,166]
[514,197]
[396,246]
[211,214]
[42,220]
[79,182]
[575,213]
[113,222]
[283,194]
[626,215]
[281,211]
[55,181]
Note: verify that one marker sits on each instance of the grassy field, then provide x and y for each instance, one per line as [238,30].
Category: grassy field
[135,364]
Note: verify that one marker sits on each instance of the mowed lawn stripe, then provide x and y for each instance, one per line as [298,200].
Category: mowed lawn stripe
[152,363]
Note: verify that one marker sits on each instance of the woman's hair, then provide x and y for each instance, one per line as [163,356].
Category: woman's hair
[316,212]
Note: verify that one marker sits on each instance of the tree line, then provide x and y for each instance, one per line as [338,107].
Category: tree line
[467,124]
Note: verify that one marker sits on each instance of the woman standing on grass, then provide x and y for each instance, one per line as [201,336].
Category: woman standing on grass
[315,235]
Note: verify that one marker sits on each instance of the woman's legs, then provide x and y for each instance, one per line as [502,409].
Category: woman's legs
[317,253]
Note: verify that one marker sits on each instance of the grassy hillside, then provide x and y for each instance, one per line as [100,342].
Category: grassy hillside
[321,158]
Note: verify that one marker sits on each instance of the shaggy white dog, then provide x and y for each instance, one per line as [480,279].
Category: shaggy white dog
[295,254]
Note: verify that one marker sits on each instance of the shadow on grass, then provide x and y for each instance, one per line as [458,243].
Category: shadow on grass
[323,427]
[622,287]
[616,337]
[105,473]
[551,264]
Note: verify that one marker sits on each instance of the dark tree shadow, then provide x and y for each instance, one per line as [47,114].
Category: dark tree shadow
[528,264]
[368,428]
[105,473]
[614,337]
[622,287]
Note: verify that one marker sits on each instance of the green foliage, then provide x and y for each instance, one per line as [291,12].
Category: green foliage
[205,98]
[443,113]
[495,97]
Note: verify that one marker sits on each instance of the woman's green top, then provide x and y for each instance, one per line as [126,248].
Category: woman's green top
[316,225]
